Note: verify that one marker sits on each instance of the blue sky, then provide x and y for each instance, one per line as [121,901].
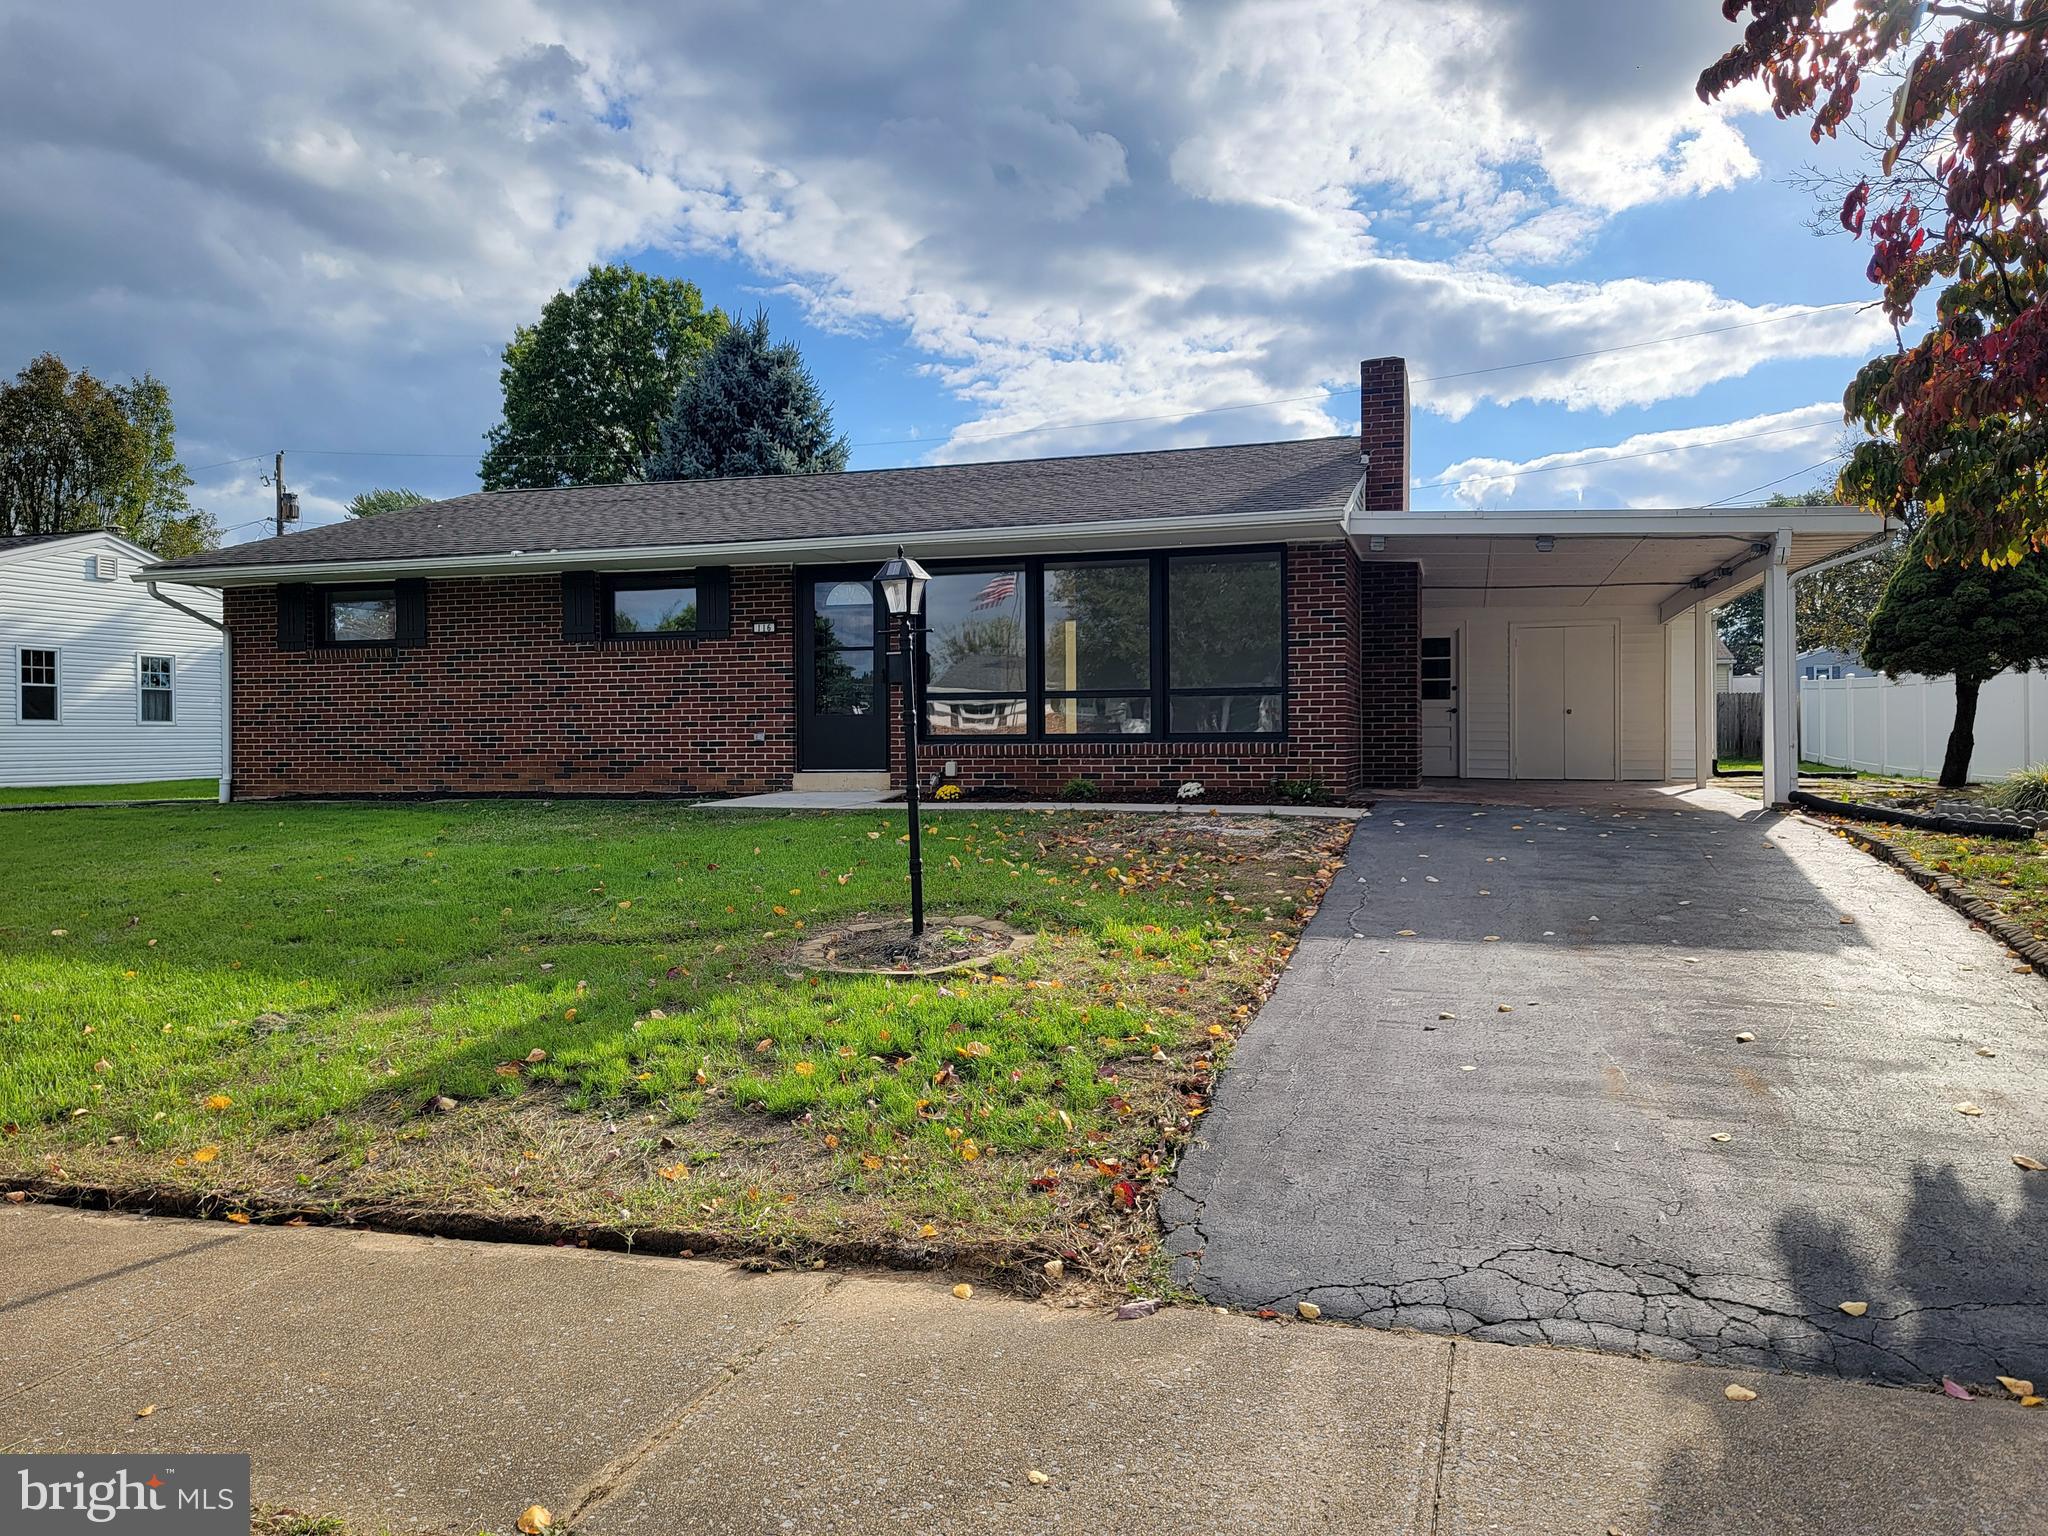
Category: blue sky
[318,224]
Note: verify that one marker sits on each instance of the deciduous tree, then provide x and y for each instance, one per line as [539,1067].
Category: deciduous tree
[587,385]
[1954,198]
[1969,622]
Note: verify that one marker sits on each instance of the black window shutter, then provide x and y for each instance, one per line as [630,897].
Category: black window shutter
[294,618]
[412,613]
[579,605]
[714,602]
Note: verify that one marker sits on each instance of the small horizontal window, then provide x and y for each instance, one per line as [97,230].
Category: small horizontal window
[659,605]
[38,686]
[358,615]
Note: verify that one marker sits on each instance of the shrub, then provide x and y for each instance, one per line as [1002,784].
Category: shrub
[2026,790]
[1309,791]
[1080,789]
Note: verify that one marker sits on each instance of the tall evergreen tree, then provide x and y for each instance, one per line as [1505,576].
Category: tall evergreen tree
[586,386]
[750,407]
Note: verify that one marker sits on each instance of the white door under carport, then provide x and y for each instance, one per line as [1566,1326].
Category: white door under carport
[1561,687]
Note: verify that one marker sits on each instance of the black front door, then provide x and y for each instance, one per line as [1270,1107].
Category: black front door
[842,696]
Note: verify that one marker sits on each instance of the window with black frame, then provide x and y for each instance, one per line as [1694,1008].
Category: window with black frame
[1226,645]
[359,615]
[977,670]
[1098,648]
[657,605]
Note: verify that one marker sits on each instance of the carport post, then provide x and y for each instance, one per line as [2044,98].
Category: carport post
[1781,685]
[1706,713]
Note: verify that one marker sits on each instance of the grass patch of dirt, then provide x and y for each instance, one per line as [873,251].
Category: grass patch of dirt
[2010,875]
[586,1018]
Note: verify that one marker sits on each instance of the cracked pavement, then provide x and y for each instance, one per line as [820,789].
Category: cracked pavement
[1502,1124]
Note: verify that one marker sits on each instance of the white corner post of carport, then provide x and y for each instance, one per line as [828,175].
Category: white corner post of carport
[227,684]
[1781,685]
[1706,712]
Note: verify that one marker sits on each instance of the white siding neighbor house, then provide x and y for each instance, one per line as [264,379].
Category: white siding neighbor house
[104,684]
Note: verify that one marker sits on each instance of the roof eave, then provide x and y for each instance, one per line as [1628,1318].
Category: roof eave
[1294,525]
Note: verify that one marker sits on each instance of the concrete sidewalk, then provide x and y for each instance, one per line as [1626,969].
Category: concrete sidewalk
[417,1385]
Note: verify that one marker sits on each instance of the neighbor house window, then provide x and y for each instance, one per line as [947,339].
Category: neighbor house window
[663,604]
[358,615]
[38,690]
[976,645]
[1226,645]
[154,677]
[1116,645]
[1098,649]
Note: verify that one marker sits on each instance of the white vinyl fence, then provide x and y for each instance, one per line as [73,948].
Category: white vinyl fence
[1878,726]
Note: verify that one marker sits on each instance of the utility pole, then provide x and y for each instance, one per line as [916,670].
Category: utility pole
[277,487]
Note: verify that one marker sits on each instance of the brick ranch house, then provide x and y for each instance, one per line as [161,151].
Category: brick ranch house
[1239,615]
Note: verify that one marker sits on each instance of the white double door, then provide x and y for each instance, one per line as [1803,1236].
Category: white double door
[1561,686]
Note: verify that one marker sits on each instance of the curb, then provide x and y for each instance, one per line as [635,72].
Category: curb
[1958,826]
[1947,888]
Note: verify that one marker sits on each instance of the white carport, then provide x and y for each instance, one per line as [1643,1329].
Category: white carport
[1580,645]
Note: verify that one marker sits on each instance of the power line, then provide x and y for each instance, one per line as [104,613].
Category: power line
[1831,458]
[1619,458]
[1208,410]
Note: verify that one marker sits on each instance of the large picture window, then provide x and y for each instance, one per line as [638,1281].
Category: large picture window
[1146,645]
[1226,645]
[975,645]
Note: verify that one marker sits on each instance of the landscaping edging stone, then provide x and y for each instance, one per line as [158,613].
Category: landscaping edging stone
[2023,942]
[1958,826]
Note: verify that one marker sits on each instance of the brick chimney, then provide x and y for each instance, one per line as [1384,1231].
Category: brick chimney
[1383,432]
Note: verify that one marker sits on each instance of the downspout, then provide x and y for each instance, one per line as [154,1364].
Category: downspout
[227,691]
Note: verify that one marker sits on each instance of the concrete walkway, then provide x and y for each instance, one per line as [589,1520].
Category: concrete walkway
[437,1386]
[1504,1091]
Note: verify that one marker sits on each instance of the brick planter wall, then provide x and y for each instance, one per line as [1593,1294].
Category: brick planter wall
[1323,716]
[497,702]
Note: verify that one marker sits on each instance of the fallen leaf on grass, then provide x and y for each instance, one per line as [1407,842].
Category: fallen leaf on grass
[927,1230]
[239,1218]
[1735,1392]
[219,1101]
[1855,1308]
[206,1154]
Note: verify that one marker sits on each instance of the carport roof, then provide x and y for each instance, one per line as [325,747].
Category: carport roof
[1673,557]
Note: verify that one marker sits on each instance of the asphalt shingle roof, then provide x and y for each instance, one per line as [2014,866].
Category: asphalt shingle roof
[1250,478]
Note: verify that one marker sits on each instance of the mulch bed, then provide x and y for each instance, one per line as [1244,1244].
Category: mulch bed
[884,946]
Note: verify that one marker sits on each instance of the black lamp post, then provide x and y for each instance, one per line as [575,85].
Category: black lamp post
[902,581]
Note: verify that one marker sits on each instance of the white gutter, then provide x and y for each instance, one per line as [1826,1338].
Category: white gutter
[227,673]
[1620,522]
[1107,533]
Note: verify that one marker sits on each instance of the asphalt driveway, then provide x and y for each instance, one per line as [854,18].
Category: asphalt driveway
[1501,1092]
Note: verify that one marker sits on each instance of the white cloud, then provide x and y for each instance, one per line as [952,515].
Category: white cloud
[319,223]
[1684,466]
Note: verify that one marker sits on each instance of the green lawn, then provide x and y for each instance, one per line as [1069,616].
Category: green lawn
[2010,875]
[266,1002]
[1755,765]
[155,789]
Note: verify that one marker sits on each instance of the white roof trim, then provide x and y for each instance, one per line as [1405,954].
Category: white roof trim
[1617,522]
[1023,539]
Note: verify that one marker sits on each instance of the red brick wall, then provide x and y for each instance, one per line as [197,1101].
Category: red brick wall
[497,702]
[1323,740]
[1383,432]
[1389,635]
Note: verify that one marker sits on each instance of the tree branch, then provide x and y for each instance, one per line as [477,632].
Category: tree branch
[1990,19]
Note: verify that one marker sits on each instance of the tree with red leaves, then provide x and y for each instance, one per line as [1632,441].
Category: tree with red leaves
[1956,203]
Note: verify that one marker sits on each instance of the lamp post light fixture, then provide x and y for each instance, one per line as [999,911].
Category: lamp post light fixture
[902,581]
